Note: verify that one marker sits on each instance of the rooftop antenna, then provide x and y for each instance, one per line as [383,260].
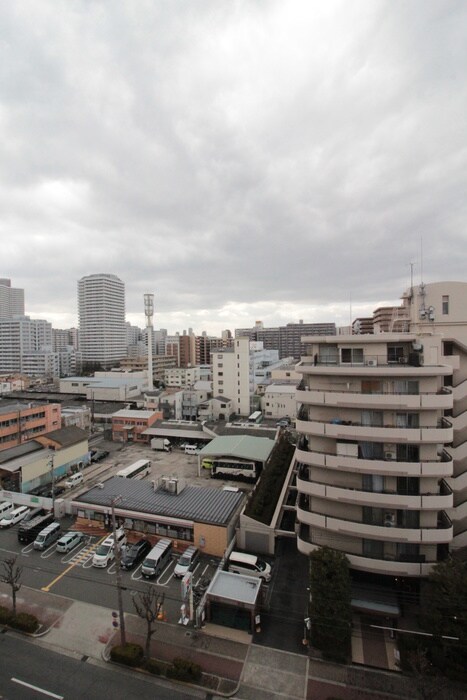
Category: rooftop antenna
[350,311]
[421,259]
[411,280]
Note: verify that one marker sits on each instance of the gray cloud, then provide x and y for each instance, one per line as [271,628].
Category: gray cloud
[236,158]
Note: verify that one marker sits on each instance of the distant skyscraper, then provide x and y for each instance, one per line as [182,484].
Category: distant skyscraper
[101,311]
[11,300]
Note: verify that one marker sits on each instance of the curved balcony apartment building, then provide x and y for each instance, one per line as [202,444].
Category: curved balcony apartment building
[381,460]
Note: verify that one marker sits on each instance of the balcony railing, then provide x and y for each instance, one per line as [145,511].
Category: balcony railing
[442,423]
[410,359]
[305,533]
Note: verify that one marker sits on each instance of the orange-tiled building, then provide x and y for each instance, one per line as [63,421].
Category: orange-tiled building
[127,426]
[20,422]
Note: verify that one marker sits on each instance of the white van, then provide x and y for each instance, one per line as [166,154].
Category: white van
[5,507]
[69,541]
[47,536]
[14,516]
[157,559]
[249,565]
[191,450]
[74,480]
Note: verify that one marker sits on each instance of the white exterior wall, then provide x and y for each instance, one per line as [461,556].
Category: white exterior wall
[11,300]
[231,375]
[101,309]
[182,377]
[280,401]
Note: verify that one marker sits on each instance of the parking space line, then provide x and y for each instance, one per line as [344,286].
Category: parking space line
[166,583]
[48,552]
[69,568]
[28,548]
[134,577]
[71,556]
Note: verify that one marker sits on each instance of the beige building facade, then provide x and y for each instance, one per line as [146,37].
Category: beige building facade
[381,461]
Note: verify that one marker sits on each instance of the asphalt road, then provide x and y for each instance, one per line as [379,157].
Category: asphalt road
[29,672]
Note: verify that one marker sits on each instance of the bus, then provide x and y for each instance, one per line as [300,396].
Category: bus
[255,417]
[137,470]
[234,469]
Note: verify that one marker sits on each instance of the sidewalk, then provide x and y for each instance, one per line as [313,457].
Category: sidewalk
[83,629]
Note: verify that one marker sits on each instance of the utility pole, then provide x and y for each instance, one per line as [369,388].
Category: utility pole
[51,467]
[121,615]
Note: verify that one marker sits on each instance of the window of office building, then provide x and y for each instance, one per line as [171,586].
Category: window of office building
[445,304]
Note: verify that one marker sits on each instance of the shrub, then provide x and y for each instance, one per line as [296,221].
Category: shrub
[5,615]
[184,670]
[154,667]
[24,622]
[130,654]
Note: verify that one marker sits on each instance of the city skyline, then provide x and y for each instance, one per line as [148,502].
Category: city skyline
[242,162]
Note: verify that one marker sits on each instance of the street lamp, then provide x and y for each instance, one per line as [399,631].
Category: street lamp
[121,615]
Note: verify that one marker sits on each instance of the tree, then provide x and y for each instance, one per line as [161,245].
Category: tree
[428,683]
[11,575]
[444,602]
[330,604]
[148,605]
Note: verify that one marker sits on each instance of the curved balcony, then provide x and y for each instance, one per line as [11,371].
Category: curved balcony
[441,400]
[442,533]
[440,468]
[388,566]
[396,501]
[347,430]
[373,366]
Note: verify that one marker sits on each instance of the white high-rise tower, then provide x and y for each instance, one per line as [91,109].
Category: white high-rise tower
[101,310]
[149,313]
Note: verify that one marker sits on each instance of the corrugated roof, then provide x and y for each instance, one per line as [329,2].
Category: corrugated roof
[242,446]
[66,436]
[19,451]
[195,503]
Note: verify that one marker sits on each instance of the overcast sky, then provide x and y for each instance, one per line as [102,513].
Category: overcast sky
[240,160]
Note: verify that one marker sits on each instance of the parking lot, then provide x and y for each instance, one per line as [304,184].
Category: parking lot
[174,463]
[72,574]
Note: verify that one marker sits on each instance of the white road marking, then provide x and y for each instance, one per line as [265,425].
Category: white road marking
[39,690]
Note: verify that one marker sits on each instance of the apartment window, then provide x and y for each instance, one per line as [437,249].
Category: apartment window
[221,374]
[220,364]
[409,386]
[395,353]
[407,453]
[445,304]
[221,391]
[352,355]
[221,382]
[407,420]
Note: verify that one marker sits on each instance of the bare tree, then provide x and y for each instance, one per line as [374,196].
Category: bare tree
[148,605]
[11,574]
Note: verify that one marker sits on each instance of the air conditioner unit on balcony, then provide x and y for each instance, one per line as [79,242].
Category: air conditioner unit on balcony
[389,519]
[389,455]
[371,363]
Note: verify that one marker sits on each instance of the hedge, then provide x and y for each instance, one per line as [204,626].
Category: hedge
[24,622]
[5,615]
[129,655]
[184,670]
[154,667]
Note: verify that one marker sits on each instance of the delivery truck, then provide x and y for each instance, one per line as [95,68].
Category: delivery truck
[161,444]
